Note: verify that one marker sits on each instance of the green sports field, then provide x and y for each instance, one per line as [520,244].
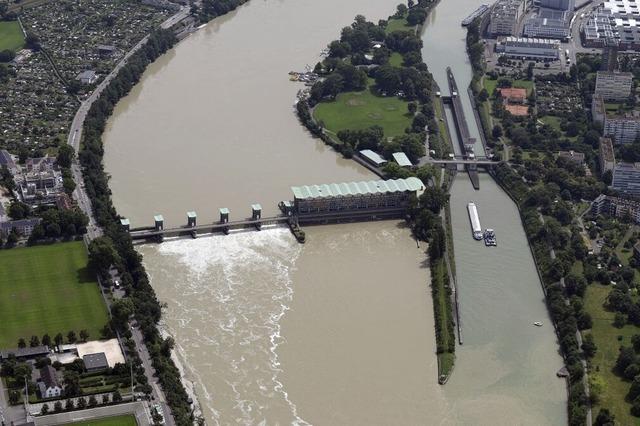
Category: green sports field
[109,421]
[359,110]
[48,289]
[10,36]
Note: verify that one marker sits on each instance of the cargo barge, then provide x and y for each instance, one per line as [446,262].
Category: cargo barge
[476,229]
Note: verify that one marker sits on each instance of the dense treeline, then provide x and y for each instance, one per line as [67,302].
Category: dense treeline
[546,200]
[142,301]
[213,8]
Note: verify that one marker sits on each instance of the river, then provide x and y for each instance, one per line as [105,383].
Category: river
[339,330]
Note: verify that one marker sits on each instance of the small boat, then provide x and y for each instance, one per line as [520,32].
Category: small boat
[537,324]
[490,238]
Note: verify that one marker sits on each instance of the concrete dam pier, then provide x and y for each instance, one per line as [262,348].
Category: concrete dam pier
[312,205]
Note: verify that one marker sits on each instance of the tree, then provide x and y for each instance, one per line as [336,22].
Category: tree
[102,254]
[58,339]
[14,397]
[116,396]
[605,418]
[412,107]
[46,340]
[18,210]
[45,409]
[588,346]
[93,401]
[619,320]
[82,403]
[72,383]
[35,341]
[626,357]
[71,337]
[57,407]
[22,343]
[401,10]
[631,371]
[84,335]
[65,157]
[69,405]
[105,399]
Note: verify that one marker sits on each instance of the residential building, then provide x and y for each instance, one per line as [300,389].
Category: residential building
[614,86]
[530,48]
[548,23]
[607,158]
[623,128]
[621,208]
[576,157]
[39,181]
[105,51]
[87,77]
[626,179]
[598,110]
[505,16]
[95,362]
[24,227]
[49,385]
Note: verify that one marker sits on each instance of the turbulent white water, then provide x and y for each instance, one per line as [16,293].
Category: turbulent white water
[239,287]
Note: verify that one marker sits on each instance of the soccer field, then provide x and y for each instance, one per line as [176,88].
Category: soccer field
[48,289]
[10,36]
[109,421]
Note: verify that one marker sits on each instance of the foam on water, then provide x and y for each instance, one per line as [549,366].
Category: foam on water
[226,296]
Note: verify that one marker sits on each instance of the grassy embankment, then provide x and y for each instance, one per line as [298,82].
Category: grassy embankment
[48,289]
[443,319]
[11,37]
[109,421]
[360,110]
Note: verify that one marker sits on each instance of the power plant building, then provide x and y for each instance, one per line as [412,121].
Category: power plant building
[373,195]
[530,48]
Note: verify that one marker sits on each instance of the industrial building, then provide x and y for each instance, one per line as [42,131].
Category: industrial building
[626,178]
[607,157]
[556,4]
[355,196]
[373,158]
[614,86]
[549,23]
[615,23]
[530,48]
[505,16]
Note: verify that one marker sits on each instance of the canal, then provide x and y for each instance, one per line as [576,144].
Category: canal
[340,330]
[506,365]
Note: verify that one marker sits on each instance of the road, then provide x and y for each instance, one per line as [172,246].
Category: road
[93,229]
[75,131]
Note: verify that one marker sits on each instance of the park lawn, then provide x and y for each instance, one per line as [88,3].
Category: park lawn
[11,37]
[48,290]
[360,110]
[109,421]
[396,59]
[612,389]
[397,24]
